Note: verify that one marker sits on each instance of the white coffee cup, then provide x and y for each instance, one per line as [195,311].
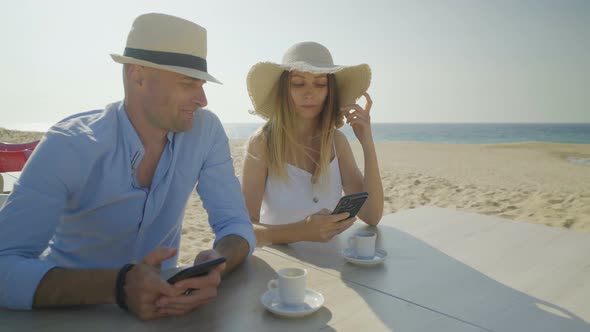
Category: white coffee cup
[363,242]
[291,285]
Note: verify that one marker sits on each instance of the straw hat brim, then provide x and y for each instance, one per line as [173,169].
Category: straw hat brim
[194,73]
[263,79]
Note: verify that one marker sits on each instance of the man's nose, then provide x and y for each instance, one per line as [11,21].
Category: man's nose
[199,97]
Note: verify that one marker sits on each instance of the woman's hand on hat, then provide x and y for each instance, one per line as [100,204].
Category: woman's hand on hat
[359,119]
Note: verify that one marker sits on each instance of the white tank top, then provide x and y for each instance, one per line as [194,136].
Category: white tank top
[286,202]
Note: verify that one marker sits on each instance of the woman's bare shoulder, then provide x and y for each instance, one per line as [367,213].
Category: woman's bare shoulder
[256,144]
[340,141]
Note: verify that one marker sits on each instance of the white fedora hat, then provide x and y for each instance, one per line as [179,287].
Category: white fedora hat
[169,43]
[263,78]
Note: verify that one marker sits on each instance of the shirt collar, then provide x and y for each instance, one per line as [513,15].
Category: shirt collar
[130,133]
[170,136]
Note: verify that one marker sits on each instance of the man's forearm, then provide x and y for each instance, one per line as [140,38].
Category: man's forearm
[65,287]
[235,249]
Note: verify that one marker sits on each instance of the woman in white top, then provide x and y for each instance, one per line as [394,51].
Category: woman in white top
[298,164]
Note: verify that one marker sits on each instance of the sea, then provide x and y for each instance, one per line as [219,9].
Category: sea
[449,133]
[457,133]
[453,133]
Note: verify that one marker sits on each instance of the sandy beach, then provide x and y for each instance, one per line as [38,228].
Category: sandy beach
[528,182]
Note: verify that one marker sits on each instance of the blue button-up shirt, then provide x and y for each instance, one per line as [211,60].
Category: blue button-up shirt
[78,204]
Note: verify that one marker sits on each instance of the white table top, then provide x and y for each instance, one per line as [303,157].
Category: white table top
[446,271]
[348,307]
[499,274]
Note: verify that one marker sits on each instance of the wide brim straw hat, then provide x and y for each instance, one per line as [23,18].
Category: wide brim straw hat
[312,57]
[168,43]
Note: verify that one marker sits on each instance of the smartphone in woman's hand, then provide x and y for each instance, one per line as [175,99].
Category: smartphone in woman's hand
[351,203]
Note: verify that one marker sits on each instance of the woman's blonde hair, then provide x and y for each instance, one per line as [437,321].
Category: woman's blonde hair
[279,130]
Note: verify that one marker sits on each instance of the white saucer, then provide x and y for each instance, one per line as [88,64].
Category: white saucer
[350,255]
[312,302]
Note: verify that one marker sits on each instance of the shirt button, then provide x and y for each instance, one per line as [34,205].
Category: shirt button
[315,200]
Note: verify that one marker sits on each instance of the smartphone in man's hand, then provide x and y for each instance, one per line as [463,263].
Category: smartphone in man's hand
[196,270]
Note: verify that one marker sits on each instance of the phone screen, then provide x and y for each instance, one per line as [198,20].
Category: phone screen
[196,270]
[351,203]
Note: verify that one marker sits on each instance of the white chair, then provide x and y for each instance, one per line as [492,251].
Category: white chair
[9,179]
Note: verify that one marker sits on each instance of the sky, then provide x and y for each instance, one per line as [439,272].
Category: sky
[432,61]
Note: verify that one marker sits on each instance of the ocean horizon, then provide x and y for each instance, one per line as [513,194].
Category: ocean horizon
[451,133]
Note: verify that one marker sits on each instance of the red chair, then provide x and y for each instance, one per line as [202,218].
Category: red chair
[13,161]
[18,146]
[13,156]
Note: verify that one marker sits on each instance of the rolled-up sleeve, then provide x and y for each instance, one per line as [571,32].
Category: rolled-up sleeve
[29,218]
[221,194]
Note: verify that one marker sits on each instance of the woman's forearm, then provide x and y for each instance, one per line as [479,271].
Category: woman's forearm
[372,210]
[277,234]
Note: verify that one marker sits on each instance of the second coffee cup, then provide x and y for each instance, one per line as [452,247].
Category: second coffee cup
[363,243]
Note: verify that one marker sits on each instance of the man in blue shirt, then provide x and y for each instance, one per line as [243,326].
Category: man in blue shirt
[109,187]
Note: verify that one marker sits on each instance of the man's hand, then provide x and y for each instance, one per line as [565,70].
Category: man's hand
[195,291]
[143,285]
